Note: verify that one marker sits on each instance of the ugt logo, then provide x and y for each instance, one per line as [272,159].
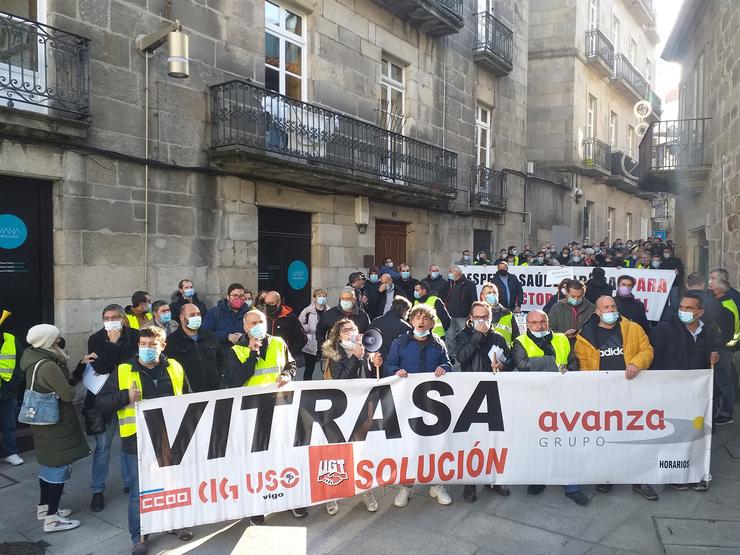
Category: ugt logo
[332,472]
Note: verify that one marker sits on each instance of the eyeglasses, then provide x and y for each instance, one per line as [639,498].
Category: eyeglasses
[346,330]
[237,296]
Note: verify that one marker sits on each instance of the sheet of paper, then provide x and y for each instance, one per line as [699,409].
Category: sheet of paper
[499,352]
[92,381]
[556,275]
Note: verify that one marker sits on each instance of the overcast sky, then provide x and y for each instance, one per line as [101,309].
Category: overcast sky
[668,74]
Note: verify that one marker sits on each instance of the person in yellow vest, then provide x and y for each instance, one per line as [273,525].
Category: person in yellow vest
[148,375]
[140,311]
[10,376]
[260,359]
[724,372]
[502,319]
[423,294]
[541,350]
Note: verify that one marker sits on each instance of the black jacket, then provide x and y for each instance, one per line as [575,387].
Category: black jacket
[461,296]
[286,325]
[440,286]
[179,301]
[203,359]
[472,349]
[406,288]
[390,327]
[545,363]
[718,318]
[596,288]
[343,366]
[155,383]
[674,263]
[634,310]
[516,293]
[333,315]
[675,348]
[239,372]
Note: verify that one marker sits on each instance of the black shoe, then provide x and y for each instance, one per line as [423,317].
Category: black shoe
[701,486]
[535,490]
[97,504]
[604,488]
[680,487]
[578,496]
[300,512]
[469,494]
[257,520]
[126,489]
[502,490]
[724,420]
[646,491]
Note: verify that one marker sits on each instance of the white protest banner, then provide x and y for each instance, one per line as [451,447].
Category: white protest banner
[220,455]
[651,287]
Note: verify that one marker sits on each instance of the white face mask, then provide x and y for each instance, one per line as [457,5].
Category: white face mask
[113,325]
[348,345]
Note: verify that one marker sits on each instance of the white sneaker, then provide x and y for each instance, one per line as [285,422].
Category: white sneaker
[56,523]
[14,459]
[403,496]
[42,510]
[443,498]
[370,502]
[332,507]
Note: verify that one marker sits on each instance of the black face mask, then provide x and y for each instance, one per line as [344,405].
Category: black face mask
[61,342]
[272,309]
[503,272]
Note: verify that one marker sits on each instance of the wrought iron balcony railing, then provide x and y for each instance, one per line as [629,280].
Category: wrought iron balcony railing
[597,153]
[436,17]
[455,6]
[43,69]
[494,39]
[623,69]
[247,115]
[599,47]
[488,187]
[656,103]
[674,144]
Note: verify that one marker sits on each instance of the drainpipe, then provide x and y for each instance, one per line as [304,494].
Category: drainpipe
[722,216]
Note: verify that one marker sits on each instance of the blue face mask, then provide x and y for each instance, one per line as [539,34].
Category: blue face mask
[685,317]
[248,303]
[258,331]
[374,278]
[166,317]
[405,275]
[321,300]
[434,275]
[466,257]
[346,305]
[450,276]
[147,355]
[149,307]
[540,334]
[188,292]
[417,295]
[421,333]
[194,322]
[574,302]
[610,317]
[492,298]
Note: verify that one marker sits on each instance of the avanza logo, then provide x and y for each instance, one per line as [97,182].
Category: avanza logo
[161,500]
[608,420]
[332,472]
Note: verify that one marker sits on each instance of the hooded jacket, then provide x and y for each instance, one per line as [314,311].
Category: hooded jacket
[309,319]
[633,309]
[344,366]
[636,345]
[178,301]
[285,324]
[564,317]
[416,356]
[222,321]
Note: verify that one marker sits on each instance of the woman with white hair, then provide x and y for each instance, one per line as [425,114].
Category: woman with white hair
[57,445]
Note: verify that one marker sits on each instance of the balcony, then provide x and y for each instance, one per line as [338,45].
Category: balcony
[625,173]
[263,134]
[43,70]
[494,45]
[435,17]
[642,10]
[657,105]
[487,190]
[599,53]
[597,157]
[652,34]
[672,156]
[628,80]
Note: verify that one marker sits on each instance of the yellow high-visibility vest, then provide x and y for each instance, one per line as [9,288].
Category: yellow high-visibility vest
[438,328]
[126,375]
[267,370]
[730,305]
[560,345]
[504,327]
[7,357]
[134,322]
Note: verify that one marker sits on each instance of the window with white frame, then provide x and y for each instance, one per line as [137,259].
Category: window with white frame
[593,14]
[698,99]
[482,136]
[613,126]
[627,226]
[610,212]
[392,91]
[631,140]
[591,117]
[644,224]
[616,32]
[285,51]
[649,71]
[633,51]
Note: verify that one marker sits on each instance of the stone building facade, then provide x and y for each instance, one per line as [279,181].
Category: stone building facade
[697,156]
[590,62]
[388,108]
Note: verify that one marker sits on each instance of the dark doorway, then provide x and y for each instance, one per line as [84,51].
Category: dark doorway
[482,242]
[390,242]
[284,255]
[26,254]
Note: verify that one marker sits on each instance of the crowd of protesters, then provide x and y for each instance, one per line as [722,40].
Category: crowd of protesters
[438,323]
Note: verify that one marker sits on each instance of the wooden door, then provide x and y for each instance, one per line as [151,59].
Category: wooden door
[390,242]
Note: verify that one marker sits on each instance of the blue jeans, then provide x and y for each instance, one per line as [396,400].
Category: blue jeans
[101,459]
[724,384]
[134,519]
[7,421]
[571,489]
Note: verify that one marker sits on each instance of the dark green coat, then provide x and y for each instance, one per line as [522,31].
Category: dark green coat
[61,443]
